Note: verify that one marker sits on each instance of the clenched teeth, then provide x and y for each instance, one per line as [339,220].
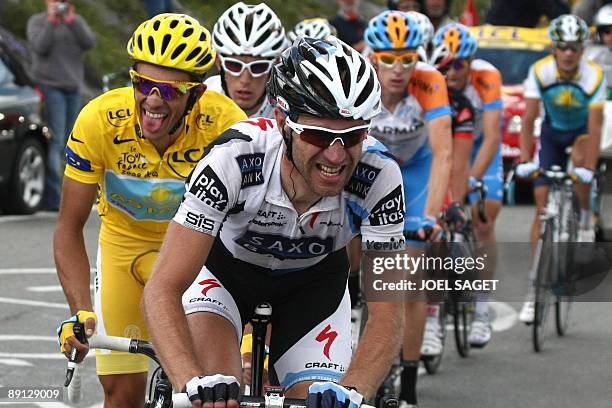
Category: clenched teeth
[155,115]
[329,171]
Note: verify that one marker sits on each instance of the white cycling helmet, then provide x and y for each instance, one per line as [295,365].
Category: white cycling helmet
[603,16]
[427,29]
[312,27]
[568,28]
[245,29]
[325,78]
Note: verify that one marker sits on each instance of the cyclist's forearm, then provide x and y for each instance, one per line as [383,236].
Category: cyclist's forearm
[169,331]
[489,146]
[526,141]
[439,178]
[73,268]
[378,347]
[594,127]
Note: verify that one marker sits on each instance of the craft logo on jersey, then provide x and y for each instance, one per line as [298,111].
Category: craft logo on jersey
[118,117]
[362,179]
[250,167]
[208,188]
[283,247]
[328,336]
[199,222]
[203,121]
[208,284]
[389,210]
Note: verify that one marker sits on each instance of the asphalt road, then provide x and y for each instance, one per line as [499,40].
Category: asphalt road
[573,371]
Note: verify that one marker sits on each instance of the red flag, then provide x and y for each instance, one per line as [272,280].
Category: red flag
[469,16]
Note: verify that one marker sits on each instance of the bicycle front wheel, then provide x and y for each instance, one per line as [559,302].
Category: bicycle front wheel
[462,319]
[544,263]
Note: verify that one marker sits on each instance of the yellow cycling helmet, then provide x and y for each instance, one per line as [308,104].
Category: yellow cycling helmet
[175,41]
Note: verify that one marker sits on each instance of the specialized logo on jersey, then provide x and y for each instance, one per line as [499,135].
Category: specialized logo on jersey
[118,117]
[209,189]
[262,123]
[250,167]
[328,336]
[282,247]
[389,210]
[77,161]
[208,284]
[204,121]
[199,222]
[362,179]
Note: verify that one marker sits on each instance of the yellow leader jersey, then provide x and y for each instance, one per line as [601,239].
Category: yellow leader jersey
[140,190]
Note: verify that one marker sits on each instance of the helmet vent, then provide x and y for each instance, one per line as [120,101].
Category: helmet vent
[204,61]
[187,32]
[151,43]
[177,51]
[367,90]
[139,41]
[345,75]
[174,23]
[165,43]
[156,25]
[248,25]
[196,51]
[202,36]
[321,90]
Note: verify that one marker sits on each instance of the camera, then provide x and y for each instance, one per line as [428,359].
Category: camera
[62,7]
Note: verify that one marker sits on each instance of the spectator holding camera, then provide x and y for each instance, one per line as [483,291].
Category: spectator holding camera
[59,38]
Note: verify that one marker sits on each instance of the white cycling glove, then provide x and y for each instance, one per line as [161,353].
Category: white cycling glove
[332,395]
[212,388]
[526,170]
[584,175]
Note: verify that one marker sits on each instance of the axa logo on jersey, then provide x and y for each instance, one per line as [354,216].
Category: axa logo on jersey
[209,188]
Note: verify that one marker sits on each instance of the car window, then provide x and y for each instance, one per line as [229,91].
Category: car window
[516,72]
[6,76]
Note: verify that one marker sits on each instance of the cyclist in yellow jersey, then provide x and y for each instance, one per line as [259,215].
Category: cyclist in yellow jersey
[138,146]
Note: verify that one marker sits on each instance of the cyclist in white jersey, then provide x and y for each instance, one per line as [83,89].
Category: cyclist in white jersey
[476,155]
[415,125]
[269,211]
[248,39]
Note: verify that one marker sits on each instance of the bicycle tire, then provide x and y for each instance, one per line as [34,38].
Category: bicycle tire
[563,302]
[462,319]
[544,257]
[432,363]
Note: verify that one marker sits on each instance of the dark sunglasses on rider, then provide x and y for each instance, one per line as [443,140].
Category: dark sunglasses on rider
[256,68]
[324,137]
[572,46]
[456,64]
[605,30]
[168,90]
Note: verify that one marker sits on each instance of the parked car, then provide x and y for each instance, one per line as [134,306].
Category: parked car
[23,137]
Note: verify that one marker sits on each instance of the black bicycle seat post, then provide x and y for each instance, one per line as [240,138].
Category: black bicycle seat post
[259,321]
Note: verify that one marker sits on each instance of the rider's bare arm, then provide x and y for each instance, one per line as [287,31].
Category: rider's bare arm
[69,244]
[378,347]
[594,125]
[532,109]
[181,257]
[441,146]
[491,127]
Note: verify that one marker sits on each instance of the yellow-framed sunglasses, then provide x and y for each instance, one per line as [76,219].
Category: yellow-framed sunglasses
[388,60]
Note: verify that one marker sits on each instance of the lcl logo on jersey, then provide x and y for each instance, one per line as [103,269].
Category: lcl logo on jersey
[328,336]
[118,117]
[203,121]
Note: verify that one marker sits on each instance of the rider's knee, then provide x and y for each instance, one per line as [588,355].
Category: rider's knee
[124,390]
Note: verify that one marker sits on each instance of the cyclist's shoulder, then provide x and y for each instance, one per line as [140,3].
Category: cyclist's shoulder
[483,67]
[427,86]
[425,74]
[213,83]
[258,136]
[109,113]
[545,69]
[375,153]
